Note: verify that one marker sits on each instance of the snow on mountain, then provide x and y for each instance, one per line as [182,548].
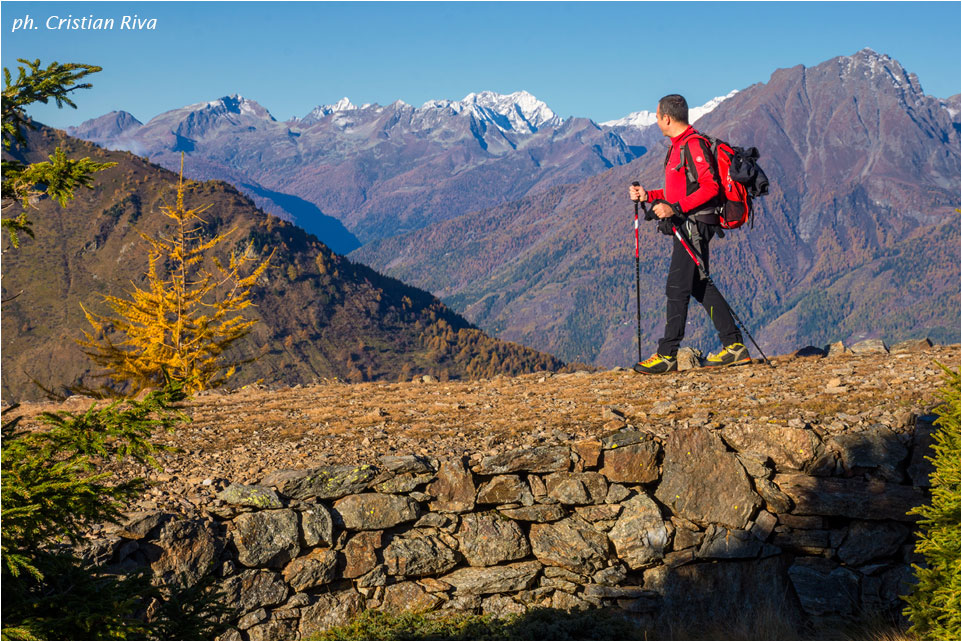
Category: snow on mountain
[321,111]
[697,112]
[644,119]
[235,104]
[637,119]
[519,111]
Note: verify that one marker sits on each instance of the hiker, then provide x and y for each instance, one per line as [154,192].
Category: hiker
[691,207]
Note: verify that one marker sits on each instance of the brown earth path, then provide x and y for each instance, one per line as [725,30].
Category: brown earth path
[244,434]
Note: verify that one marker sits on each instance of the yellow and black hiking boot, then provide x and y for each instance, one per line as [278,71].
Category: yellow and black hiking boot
[735,354]
[656,364]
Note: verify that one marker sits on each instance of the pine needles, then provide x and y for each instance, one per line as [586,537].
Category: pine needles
[185,318]
[934,605]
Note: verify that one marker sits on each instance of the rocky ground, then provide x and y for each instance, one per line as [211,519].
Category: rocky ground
[243,435]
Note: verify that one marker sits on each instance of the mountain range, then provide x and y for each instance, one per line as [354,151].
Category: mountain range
[354,174]
[320,316]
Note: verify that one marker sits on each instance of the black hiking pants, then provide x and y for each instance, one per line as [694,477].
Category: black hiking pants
[684,282]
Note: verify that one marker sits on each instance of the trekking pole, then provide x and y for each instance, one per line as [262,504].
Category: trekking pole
[704,274]
[637,276]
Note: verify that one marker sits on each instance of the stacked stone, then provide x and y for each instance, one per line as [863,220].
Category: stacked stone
[684,522]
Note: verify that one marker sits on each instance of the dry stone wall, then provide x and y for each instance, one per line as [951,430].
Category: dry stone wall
[808,519]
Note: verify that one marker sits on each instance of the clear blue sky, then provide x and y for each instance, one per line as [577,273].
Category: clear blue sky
[599,60]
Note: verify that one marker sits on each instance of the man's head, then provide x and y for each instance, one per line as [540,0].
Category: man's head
[672,114]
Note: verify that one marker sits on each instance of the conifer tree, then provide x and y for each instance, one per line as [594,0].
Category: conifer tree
[934,604]
[187,316]
[60,176]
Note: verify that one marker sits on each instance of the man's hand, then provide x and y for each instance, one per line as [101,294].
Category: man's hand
[662,210]
[637,193]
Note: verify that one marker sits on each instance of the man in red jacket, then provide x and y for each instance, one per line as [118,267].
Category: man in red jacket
[691,187]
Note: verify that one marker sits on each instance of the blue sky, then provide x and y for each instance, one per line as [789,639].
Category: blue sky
[599,60]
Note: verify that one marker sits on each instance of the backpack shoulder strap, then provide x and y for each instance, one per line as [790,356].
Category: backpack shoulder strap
[708,146]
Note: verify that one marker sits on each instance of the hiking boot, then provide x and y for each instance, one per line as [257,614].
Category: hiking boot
[656,364]
[735,354]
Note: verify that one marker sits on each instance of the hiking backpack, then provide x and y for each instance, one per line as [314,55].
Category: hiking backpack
[738,175]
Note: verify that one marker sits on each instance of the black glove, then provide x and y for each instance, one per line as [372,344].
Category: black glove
[664,226]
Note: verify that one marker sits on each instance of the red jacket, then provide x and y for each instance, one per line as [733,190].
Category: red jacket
[676,184]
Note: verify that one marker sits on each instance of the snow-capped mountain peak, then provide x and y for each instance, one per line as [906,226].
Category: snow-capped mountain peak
[319,112]
[518,111]
[638,119]
[697,112]
[644,119]
[233,104]
[871,64]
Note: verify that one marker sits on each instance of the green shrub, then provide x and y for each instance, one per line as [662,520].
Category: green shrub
[537,624]
[933,605]
[52,492]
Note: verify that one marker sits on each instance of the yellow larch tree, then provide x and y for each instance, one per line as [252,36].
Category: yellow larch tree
[179,325]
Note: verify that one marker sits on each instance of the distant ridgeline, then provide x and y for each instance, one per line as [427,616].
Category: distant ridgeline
[321,315]
[698,523]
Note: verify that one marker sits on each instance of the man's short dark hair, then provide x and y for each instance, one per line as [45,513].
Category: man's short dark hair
[675,107]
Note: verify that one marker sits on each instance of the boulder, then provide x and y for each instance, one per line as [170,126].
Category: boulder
[489,539]
[809,351]
[911,345]
[824,588]
[541,459]
[503,489]
[688,359]
[260,497]
[920,467]
[454,489]
[790,448]
[266,538]
[639,535]
[330,610]
[571,543]
[703,482]
[870,346]
[275,628]
[538,513]
[252,618]
[418,556]
[576,488]
[404,483]
[726,590]
[360,554]
[374,511]
[852,498]
[408,596]
[722,543]
[253,589]
[634,463]
[589,450]
[317,568]
[486,580]
[776,501]
[867,541]
[501,606]
[317,526]
[875,447]
[187,551]
[324,482]
[598,513]
[143,524]
[623,438]
[838,349]
[883,588]
[410,464]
